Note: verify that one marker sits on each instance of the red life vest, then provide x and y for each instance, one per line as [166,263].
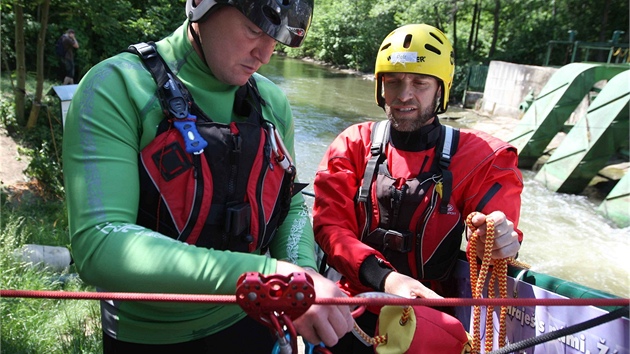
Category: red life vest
[220,186]
[416,229]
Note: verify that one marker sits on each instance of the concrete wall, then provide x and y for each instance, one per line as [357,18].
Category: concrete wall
[507,84]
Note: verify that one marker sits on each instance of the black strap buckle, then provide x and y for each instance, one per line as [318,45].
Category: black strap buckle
[397,241]
[390,239]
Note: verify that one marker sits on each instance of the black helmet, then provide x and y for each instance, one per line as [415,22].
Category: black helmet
[287,21]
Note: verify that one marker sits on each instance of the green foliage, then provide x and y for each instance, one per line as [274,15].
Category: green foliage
[103,29]
[7,111]
[345,33]
[41,325]
[459,82]
[43,147]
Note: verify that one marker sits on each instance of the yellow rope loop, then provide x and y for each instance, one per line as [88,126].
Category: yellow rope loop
[380,339]
[478,277]
[474,271]
[405,315]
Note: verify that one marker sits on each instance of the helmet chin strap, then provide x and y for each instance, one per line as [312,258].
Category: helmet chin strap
[438,99]
[195,36]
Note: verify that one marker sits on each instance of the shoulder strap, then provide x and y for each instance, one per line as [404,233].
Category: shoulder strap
[174,97]
[447,147]
[175,100]
[380,138]
[248,102]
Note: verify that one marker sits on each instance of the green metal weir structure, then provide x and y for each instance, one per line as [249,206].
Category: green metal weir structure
[597,136]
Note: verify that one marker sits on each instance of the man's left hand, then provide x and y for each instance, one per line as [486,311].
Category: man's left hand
[505,237]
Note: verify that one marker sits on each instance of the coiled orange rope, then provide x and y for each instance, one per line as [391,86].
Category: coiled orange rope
[478,275]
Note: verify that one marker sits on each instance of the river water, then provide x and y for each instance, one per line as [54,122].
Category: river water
[563,234]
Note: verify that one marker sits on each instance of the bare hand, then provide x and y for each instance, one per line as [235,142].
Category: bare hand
[505,238]
[407,287]
[321,323]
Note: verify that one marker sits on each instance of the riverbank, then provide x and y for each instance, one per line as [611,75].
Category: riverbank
[12,161]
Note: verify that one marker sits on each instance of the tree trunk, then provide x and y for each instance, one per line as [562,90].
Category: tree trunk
[495,28]
[438,23]
[455,9]
[475,45]
[20,64]
[471,35]
[41,44]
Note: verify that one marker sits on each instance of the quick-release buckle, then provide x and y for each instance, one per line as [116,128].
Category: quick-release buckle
[177,106]
[397,241]
[390,239]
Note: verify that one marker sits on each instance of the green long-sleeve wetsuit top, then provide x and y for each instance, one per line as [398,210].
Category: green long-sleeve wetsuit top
[112,116]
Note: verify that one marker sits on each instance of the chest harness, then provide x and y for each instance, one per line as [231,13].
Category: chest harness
[220,186]
[417,230]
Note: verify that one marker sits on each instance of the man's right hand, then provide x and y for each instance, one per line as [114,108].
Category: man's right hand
[407,287]
[321,323]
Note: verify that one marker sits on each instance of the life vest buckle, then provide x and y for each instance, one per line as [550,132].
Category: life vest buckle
[390,239]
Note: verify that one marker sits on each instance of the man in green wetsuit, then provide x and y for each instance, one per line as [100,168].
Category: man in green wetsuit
[114,115]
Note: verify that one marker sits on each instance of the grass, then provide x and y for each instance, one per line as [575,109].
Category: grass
[34,325]
[31,325]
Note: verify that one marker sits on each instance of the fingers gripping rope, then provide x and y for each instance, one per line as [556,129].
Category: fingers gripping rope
[478,275]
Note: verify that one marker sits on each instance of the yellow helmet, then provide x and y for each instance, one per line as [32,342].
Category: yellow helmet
[416,49]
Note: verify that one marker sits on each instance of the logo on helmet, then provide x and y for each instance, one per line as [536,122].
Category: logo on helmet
[405,57]
[296,31]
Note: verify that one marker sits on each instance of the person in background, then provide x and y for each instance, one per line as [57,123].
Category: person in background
[389,207]
[130,173]
[69,44]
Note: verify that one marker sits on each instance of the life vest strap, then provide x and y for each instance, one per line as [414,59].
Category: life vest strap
[446,148]
[380,137]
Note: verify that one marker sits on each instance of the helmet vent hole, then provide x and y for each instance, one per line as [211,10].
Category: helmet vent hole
[272,15]
[433,49]
[407,42]
[436,37]
[386,46]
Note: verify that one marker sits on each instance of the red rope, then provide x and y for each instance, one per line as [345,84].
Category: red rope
[354,301]
[225,299]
